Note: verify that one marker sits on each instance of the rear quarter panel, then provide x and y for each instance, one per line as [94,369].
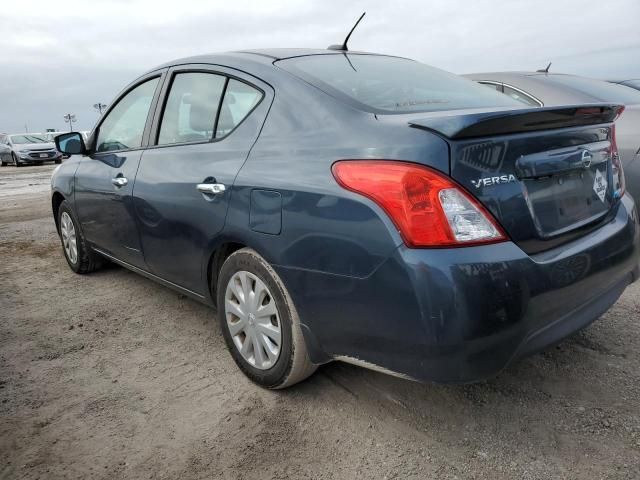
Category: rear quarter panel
[323,227]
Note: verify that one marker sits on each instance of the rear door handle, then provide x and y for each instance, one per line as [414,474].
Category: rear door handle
[119,181]
[211,188]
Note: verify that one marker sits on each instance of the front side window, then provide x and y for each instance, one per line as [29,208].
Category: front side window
[191,108]
[239,100]
[382,84]
[123,127]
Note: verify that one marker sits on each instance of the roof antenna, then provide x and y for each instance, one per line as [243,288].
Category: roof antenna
[343,47]
[544,70]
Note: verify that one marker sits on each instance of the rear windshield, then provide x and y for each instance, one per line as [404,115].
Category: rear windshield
[392,85]
[603,91]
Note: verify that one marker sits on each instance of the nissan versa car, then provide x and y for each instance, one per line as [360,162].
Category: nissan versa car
[335,205]
[27,148]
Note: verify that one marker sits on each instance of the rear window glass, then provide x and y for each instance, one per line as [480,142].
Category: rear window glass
[392,85]
[239,100]
[603,91]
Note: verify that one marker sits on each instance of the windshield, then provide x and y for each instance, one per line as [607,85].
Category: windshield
[603,91]
[22,139]
[392,85]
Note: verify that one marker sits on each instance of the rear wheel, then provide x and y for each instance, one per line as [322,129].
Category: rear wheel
[260,323]
[79,256]
[3,163]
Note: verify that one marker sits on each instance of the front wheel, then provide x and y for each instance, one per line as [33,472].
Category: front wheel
[16,163]
[259,322]
[79,256]
[57,161]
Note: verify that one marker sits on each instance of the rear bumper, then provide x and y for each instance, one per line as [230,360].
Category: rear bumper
[461,315]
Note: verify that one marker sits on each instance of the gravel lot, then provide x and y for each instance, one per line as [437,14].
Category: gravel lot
[113,376]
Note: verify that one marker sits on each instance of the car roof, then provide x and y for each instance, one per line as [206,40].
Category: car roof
[255,57]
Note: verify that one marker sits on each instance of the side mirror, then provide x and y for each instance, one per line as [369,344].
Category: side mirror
[71,143]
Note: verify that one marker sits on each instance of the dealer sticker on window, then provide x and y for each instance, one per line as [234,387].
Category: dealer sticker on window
[600,185]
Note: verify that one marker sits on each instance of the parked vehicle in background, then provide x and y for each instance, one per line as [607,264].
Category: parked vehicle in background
[27,148]
[539,88]
[50,136]
[346,206]
[632,83]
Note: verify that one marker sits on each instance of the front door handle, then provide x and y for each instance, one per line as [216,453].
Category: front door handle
[119,181]
[211,188]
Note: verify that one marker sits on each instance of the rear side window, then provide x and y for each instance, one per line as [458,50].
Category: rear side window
[492,86]
[520,97]
[239,100]
[191,109]
[383,84]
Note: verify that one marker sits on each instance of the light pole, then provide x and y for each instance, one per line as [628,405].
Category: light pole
[70,118]
[100,107]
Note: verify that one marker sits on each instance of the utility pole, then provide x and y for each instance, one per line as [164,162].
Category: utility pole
[70,118]
[100,107]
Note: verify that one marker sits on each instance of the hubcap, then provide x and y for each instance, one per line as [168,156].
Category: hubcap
[69,241]
[253,320]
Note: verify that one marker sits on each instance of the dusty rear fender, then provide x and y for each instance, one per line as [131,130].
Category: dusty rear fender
[63,184]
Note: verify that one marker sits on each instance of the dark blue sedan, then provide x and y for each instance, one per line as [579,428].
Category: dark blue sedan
[336,205]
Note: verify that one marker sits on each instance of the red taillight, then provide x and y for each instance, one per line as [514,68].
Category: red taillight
[428,208]
[616,163]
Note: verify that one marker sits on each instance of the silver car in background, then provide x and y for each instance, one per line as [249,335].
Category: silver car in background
[27,148]
[548,89]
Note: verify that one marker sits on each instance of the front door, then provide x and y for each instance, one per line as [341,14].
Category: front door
[202,137]
[105,179]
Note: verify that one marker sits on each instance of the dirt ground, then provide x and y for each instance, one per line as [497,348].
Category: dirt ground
[113,376]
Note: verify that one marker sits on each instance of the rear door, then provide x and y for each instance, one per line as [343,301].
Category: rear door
[104,180]
[209,120]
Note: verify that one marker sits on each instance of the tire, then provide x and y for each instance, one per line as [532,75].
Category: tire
[58,161]
[85,260]
[3,163]
[291,364]
[16,163]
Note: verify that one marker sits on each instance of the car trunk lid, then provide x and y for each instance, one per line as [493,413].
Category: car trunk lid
[546,174]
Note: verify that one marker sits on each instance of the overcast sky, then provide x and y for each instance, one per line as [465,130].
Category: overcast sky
[65,56]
